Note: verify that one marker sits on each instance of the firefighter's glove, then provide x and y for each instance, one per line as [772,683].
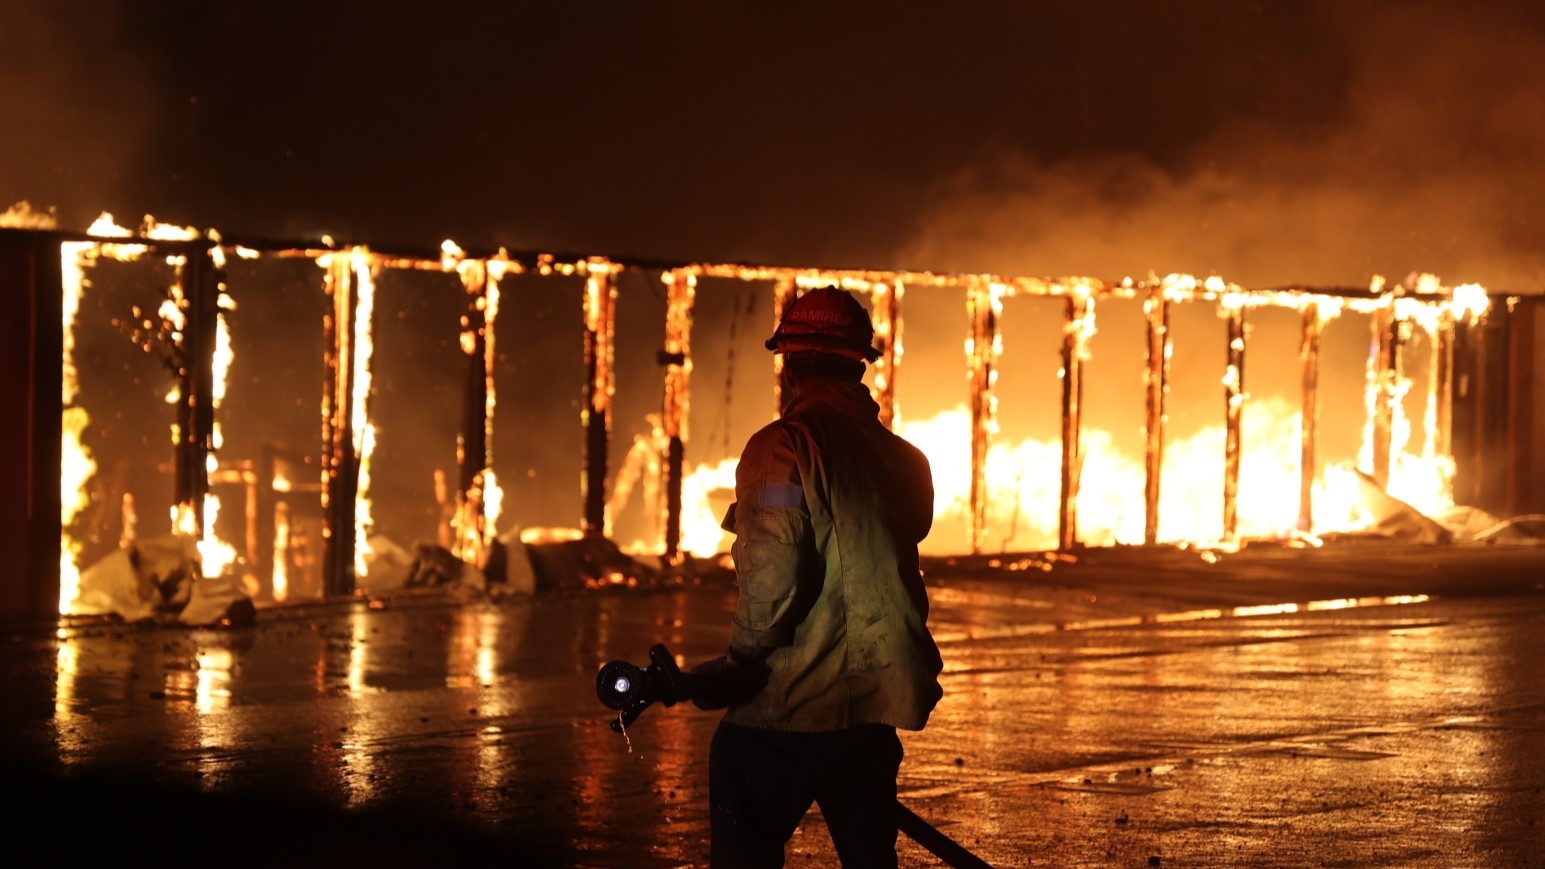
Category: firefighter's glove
[728,680]
[679,687]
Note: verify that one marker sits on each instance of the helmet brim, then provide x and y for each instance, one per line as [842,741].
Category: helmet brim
[820,344]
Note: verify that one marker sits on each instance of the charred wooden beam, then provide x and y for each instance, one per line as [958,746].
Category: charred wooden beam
[1077,325]
[266,507]
[784,292]
[472,538]
[472,451]
[1309,413]
[680,298]
[982,304]
[1494,388]
[340,464]
[1384,379]
[886,299]
[1440,387]
[1473,479]
[196,293]
[600,384]
[1524,434]
[1156,379]
[1234,402]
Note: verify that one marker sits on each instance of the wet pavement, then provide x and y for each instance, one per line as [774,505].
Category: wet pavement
[1372,706]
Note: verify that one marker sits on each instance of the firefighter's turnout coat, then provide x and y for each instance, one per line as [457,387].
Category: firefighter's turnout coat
[830,507]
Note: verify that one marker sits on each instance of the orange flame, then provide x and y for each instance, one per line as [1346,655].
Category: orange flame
[76,465]
[363,428]
[1023,492]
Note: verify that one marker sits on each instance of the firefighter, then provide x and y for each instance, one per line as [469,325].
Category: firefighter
[829,650]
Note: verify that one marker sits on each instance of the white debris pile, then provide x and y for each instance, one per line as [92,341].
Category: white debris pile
[160,579]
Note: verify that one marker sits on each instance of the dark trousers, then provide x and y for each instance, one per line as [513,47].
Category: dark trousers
[761,783]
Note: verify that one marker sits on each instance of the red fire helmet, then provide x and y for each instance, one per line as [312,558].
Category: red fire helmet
[829,320]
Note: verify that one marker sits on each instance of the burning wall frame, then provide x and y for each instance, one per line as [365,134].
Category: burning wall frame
[1483,377]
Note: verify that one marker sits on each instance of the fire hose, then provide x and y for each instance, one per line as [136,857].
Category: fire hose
[630,689]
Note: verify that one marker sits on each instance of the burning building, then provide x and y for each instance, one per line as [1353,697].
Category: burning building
[402,394]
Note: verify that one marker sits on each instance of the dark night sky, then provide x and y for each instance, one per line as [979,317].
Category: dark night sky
[1270,142]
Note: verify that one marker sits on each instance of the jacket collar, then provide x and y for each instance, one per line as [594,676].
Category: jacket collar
[847,398]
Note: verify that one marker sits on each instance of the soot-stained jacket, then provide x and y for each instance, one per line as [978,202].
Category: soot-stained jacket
[830,507]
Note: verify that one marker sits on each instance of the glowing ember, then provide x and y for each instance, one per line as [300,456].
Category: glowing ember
[536,536]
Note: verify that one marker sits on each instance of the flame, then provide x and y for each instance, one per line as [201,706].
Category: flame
[493,495]
[364,430]
[493,499]
[700,531]
[224,355]
[1022,491]
[151,228]
[281,574]
[76,465]
[1023,496]
[1469,302]
[217,554]
[473,517]
[536,536]
[76,468]
[476,517]
[130,520]
[104,226]
[23,216]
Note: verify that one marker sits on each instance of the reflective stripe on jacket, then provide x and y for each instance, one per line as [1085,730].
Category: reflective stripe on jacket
[830,507]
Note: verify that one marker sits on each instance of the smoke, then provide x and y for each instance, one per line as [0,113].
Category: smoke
[76,108]
[1428,162]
